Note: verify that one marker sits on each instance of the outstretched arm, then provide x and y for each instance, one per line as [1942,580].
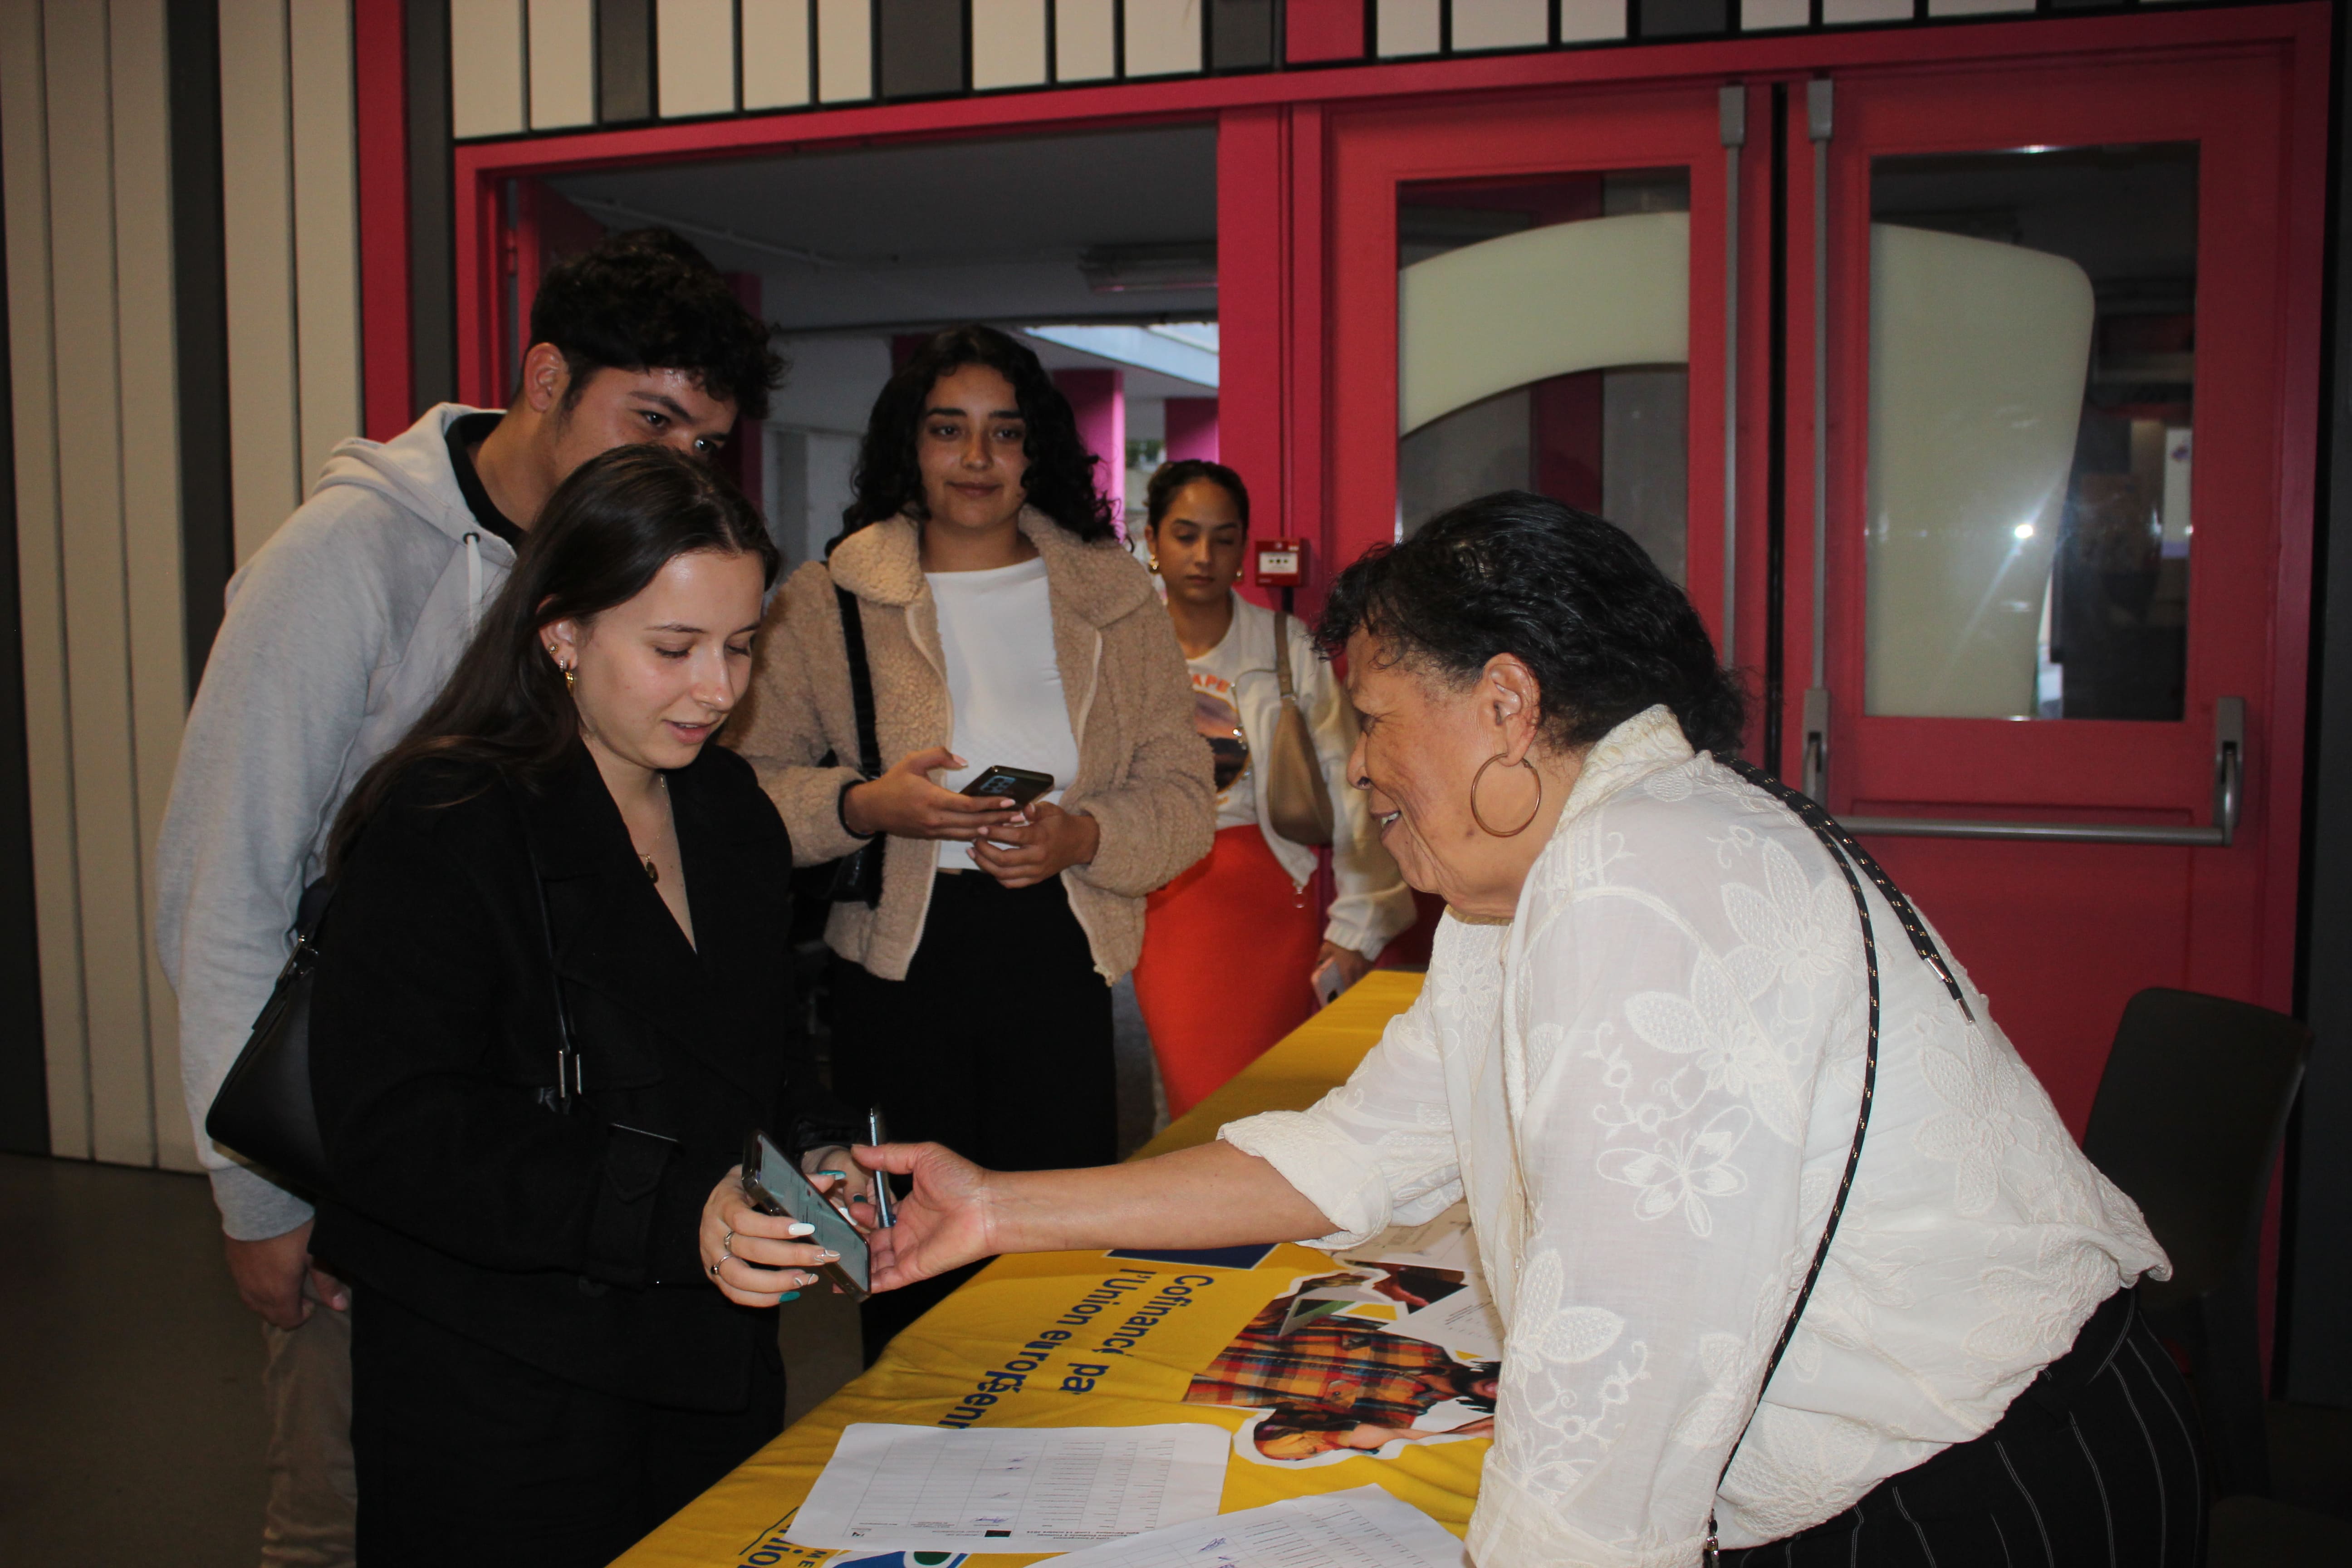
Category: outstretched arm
[1212,1196]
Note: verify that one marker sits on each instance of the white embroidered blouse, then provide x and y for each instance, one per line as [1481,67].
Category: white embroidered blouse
[1645,1084]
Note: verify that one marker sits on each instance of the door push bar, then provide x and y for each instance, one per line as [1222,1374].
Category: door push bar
[2229,789]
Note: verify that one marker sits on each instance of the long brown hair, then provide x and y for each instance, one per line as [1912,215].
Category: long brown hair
[603,535]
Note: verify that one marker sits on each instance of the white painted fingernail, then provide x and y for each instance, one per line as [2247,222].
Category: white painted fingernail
[802,1230]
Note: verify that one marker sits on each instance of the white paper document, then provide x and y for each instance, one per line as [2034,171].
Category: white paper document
[1015,1489]
[1364,1528]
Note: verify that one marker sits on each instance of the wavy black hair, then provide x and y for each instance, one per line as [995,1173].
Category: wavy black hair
[647,300]
[607,531]
[1169,478]
[1605,632]
[1060,481]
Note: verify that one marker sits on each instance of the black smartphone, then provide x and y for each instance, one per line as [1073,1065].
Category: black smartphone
[1019,785]
[775,1185]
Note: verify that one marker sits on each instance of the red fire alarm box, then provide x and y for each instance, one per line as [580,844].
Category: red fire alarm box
[1281,563]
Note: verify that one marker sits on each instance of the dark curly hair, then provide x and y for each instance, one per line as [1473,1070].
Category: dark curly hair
[1169,478]
[1605,632]
[1060,481]
[647,300]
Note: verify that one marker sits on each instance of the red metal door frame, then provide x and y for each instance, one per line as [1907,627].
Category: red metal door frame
[2257,418]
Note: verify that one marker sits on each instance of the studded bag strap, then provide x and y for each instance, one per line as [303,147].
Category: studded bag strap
[1848,856]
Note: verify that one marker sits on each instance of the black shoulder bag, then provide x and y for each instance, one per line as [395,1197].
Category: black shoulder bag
[264,1110]
[1848,855]
[856,877]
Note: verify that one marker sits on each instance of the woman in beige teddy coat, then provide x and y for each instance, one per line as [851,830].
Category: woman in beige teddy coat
[1004,624]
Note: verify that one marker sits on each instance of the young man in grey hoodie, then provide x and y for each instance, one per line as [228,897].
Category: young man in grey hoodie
[340,631]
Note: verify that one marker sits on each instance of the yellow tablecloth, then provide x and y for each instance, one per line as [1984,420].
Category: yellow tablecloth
[1012,1348]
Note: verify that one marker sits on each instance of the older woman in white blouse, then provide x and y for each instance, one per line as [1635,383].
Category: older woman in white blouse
[1640,1056]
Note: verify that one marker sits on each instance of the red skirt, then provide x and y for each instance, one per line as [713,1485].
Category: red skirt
[1228,950]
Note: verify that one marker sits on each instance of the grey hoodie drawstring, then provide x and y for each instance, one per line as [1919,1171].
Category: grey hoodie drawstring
[473,580]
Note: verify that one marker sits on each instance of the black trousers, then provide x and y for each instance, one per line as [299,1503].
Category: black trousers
[997,1044]
[465,1456]
[2094,1465]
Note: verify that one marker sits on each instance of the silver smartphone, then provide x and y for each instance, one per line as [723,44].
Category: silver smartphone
[776,1187]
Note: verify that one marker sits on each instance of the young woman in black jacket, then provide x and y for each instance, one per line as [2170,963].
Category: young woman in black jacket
[557,1343]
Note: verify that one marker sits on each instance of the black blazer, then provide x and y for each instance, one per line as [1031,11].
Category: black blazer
[568,1242]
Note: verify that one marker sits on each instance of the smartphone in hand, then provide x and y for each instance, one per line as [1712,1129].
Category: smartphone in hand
[1327,981]
[1020,785]
[775,1185]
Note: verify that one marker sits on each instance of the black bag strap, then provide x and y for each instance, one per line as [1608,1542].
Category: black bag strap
[861,683]
[568,1082]
[1848,855]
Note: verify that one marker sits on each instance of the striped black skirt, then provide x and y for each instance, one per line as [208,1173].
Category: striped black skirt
[2095,1466]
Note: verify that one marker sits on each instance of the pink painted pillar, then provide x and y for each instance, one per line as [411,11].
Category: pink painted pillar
[1098,397]
[1192,429]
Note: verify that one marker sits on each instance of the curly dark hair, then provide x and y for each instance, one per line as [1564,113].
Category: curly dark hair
[1605,632]
[1060,480]
[1169,478]
[644,299]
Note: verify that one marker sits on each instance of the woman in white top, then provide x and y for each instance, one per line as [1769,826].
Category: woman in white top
[1002,623]
[1639,1057]
[1231,948]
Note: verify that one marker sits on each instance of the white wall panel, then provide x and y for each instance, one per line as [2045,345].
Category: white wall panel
[326,231]
[49,731]
[1835,12]
[562,54]
[85,135]
[1580,21]
[1163,36]
[90,496]
[694,52]
[1409,26]
[845,50]
[1008,43]
[486,70]
[1507,24]
[1756,16]
[1084,48]
[153,596]
[257,207]
[776,53]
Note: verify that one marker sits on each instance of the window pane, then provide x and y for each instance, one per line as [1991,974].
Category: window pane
[1548,348]
[2032,367]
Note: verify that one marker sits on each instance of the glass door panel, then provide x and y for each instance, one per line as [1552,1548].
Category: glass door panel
[1543,339]
[2032,365]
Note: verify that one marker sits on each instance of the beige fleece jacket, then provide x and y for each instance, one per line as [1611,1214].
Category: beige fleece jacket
[1143,774]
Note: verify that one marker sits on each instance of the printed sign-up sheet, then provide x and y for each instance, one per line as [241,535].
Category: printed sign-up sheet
[1033,1488]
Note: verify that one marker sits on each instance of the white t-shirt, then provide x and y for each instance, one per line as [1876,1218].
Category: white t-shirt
[996,630]
[1216,714]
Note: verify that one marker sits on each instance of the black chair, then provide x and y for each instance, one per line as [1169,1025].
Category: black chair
[2191,1113]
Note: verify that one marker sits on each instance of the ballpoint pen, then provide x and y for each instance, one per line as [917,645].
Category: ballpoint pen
[884,1214]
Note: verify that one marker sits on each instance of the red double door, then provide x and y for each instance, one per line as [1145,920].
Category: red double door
[1973,400]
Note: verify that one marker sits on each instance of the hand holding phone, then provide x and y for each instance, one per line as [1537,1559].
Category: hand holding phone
[1019,785]
[1327,981]
[775,1185]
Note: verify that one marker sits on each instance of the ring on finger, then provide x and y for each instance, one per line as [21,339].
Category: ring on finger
[727,1245]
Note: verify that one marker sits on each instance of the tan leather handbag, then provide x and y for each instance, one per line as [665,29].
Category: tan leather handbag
[1298,801]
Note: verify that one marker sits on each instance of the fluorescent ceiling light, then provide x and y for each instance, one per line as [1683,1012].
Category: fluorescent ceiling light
[1157,349]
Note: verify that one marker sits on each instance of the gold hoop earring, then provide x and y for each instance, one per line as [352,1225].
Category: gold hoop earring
[1479,778]
[570,680]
